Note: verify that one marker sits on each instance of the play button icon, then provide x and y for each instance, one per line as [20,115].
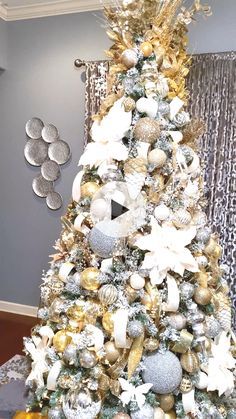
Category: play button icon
[117,210]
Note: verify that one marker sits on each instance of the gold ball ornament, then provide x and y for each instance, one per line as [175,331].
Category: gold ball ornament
[136,165]
[190,362]
[129,58]
[89,279]
[61,340]
[170,415]
[186,385]
[158,413]
[137,282]
[217,253]
[129,104]
[157,157]
[89,189]
[147,130]
[131,294]
[202,296]
[151,344]
[107,294]
[181,218]
[121,415]
[112,352]
[167,401]
[108,322]
[76,313]
[146,49]
[202,279]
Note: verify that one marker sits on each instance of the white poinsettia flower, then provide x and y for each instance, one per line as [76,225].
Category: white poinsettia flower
[107,135]
[220,377]
[132,393]
[167,251]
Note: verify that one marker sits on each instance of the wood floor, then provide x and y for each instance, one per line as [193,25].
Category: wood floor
[12,330]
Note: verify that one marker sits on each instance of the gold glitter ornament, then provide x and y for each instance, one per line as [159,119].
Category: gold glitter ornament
[55,309]
[107,294]
[136,165]
[112,352]
[186,385]
[190,362]
[202,279]
[166,401]
[76,313]
[89,279]
[61,340]
[157,157]
[146,49]
[202,296]
[89,189]
[129,58]
[147,130]
[129,104]
[151,344]
[108,322]
[135,355]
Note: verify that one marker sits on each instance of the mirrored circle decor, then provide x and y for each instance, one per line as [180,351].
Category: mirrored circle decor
[50,133]
[54,200]
[34,128]
[50,170]
[59,151]
[41,186]
[36,152]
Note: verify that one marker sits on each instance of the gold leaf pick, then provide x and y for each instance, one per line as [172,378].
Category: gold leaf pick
[135,355]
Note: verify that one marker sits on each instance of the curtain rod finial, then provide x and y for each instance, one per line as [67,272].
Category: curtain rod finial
[79,63]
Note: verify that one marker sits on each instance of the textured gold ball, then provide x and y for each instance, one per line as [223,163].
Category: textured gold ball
[121,415]
[151,344]
[108,322]
[186,385]
[167,401]
[136,165]
[87,359]
[89,279]
[76,313]
[129,58]
[129,104]
[146,48]
[190,362]
[147,130]
[112,352]
[61,340]
[170,415]
[157,157]
[202,296]
[107,294]
[202,279]
[89,189]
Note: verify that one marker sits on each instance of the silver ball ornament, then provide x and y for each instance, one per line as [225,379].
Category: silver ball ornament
[101,244]
[107,294]
[163,108]
[70,355]
[186,290]
[202,261]
[87,359]
[135,329]
[213,327]
[163,370]
[195,317]
[203,235]
[145,412]
[177,321]
[83,399]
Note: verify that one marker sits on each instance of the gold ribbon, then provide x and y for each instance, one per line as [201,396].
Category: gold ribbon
[184,344]
[135,355]
[106,383]
[25,415]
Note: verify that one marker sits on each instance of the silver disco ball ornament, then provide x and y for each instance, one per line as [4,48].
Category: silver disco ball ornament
[81,404]
[186,290]
[135,329]
[145,412]
[163,370]
[101,244]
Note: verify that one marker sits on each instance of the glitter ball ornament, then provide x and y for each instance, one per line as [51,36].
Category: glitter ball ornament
[112,352]
[202,296]
[166,401]
[195,317]
[212,327]
[145,412]
[81,404]
[190,362]
[186,290]
[61,340]
[76,312]
[203,235]
[147,130]
[177,321]
[89,279]
[87,359]
[146,49]
[181,218]
[137,282]
[186,385]
[56,413]
[202,261]
[107,294]
[151,344]
[135,329]
[101,244]
[163,371]
[89,189]
[129,104]
[129,58]
[162,212]
[158,413]
[70,354]
[157,157]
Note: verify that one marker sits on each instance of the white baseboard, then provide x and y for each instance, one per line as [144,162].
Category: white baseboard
[18,309]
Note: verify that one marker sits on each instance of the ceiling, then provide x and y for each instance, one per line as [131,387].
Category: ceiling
[28,9]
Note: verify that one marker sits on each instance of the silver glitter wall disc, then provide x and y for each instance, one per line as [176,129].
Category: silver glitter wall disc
[50,133]
[34,128]
[41,186]
[54,200]
[59,151]
[36,152]
[50,170]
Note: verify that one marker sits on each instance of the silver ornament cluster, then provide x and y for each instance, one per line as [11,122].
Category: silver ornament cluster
[135,329]
[45,148]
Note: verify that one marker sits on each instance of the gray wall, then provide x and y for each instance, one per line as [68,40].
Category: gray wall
[41,81]
[3,44]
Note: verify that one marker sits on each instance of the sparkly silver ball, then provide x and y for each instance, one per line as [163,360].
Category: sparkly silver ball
[177,321]
[186,290]
[70,355]
[198,329]
[56,413]
[181,119]
[135,329]
[202,261]
[163,108]
[213,327]
[83,399]
[195,317]
[163,370]
[87,359]
[101,244]
[145,412]
[203,235]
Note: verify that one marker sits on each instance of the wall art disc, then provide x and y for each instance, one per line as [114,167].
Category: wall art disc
[54,200]
[59,151]
[34,128]
[50,133]
[36,152]
[50,170]
[41,186]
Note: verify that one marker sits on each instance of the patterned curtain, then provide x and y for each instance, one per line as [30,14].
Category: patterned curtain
[212,87]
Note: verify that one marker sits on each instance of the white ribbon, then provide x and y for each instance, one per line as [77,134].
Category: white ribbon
[142,149]
[188,401]
[53,375]
[173,295]
[98,336]
[175,105]
[76,188]
[120,325]
[65,270]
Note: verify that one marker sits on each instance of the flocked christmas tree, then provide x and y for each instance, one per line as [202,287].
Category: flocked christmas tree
[136,318]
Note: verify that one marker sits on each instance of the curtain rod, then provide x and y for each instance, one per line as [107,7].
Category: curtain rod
[79,63]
